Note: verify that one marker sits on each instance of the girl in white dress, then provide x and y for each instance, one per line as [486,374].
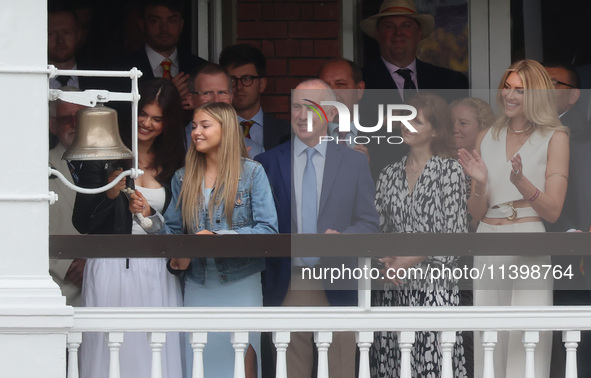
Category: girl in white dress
[136,282]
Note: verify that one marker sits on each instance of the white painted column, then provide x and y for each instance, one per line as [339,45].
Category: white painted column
[281,341]
[571,340]
[364,341]
[74,341]
[530,340]
[323,341]
[240,342]
[198,341]
[114,341]
[448,340]
[489,341]
[157,341]
[405,339]
[34,318]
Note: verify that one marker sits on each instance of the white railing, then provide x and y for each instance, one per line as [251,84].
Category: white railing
[197,322]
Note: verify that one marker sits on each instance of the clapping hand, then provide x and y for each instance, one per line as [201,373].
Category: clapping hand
[473,165]
[516,169]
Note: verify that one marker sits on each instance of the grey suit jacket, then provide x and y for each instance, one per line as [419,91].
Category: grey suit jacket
[60,223]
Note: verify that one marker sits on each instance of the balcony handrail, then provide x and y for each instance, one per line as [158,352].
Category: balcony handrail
[335,319]
[284,245]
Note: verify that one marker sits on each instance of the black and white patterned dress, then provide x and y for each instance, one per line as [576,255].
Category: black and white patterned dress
[436,204]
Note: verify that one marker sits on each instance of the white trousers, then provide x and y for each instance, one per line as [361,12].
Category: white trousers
[509,353]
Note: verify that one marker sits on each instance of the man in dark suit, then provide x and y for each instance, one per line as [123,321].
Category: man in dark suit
[247,67]
[318,188]
[566,81]
[576,213]
[398,28]
[346,79]
[62,42]
[162,24]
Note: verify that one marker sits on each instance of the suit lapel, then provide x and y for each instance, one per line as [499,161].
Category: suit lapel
[332,164]
[287,179]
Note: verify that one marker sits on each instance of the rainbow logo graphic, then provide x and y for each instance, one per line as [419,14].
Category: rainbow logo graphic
[315,110]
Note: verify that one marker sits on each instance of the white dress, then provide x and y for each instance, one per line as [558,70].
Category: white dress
[137,282]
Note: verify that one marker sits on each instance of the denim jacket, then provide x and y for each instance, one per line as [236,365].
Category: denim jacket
[254,213]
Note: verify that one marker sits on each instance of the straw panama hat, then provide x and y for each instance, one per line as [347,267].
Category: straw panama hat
[398,8]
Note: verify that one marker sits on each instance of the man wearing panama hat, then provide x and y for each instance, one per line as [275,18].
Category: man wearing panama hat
[398,28]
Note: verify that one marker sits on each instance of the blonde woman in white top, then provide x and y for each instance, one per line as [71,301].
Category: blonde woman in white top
[519,175]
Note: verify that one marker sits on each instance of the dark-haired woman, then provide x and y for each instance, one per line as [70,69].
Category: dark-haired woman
[424,192]
[135,282]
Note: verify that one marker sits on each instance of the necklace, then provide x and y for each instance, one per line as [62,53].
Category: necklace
[519,131]
[410,168]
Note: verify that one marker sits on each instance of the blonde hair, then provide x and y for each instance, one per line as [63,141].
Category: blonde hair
[539,106]
[230,152]
[484,113]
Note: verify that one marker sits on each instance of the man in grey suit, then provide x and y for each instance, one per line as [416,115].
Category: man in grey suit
[318,188]
[62,123]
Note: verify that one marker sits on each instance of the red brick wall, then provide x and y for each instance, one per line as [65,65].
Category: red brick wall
[295,36]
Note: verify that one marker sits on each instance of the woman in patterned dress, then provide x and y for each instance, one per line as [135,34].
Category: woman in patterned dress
[424,192]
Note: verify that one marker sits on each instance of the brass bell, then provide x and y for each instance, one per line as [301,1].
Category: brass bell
[97,136]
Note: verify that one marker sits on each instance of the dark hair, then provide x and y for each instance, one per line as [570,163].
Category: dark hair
[355,68]
[208,69]
[173,5]
[437,112]
[573,76]
[62,6]
[169,146]
[239,55]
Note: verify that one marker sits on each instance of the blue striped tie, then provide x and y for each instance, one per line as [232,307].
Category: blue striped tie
[309,202]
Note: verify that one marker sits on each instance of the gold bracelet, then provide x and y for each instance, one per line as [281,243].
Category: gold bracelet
[559,174]
[481,195]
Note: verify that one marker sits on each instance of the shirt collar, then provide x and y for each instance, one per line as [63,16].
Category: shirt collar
[156,58]
[258,118]
[334,126]
[299,147]
[392,68]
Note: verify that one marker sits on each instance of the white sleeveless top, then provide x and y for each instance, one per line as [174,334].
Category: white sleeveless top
[156,199]
[534,156]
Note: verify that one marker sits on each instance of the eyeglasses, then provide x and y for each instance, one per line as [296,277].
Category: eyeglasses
[556,82]
[246,80]
[211,94]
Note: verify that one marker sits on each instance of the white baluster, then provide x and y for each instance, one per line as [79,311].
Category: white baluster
[157,341]
[239,341]
[281,341]
[448,340]
[489,340]
[364,341]
[198,341]
[405,340]
[530,339]
[364,284]
[323,341]
[115,339]
[74,341]
[571,341]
